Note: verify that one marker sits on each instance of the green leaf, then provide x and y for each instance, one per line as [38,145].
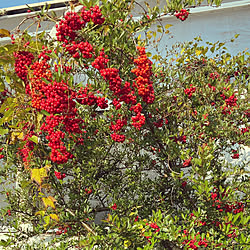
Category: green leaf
[45,112]
[3,131]
[34,139]
[47,219]
[5,243]
[7,79]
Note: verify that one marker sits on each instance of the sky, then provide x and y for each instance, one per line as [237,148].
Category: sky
[11,3]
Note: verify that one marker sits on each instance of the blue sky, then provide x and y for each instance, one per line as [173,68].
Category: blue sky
[11,3]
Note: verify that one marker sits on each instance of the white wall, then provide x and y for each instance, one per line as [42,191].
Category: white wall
[212,24]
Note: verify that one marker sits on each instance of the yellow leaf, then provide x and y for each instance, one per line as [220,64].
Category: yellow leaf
[198,52]
[127,243]
[42,213]
[4,33]
[49,202]
[15,136]
[20,136]
[39,119]
[167,26]
[46,186]
[38,174]
[54,217]
[106,30]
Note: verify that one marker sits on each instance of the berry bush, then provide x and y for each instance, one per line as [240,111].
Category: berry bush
[111,147]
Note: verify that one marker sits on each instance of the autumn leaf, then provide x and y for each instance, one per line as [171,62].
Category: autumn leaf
[54,217]
[49,202]
[38,174]
[4,33]
[42,213]
[167,26]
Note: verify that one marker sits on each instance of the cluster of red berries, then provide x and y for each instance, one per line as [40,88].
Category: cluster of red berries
[111,75]
[143,72]
[9,212]
[68,27]
[77,50]
[63,229]
[96,15]
[117,137]
[182,139]
[85,97]
[187,163]
[231,101]
[59,153]
[1,156]
[59,175]
[214,76]
[189,91]
[155,228]
[40,72]
[182,14]
[158,123]
[101,61]
[72,23]
[118,125]
[126,93]
[221,206]
[23,61]
[26,151]
[235,155]
[114,207]
[138,121]
[191,242]
[212,87]
[59,100]
[244,130]
[55,98]
[88,190]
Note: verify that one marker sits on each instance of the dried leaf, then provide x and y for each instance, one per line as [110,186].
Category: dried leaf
[4,33]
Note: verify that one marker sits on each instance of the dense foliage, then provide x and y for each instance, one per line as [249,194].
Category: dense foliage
[114,148]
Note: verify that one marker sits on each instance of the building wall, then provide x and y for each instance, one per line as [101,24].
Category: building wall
[212,24]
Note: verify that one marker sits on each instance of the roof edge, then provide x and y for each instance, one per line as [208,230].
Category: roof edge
[35,6]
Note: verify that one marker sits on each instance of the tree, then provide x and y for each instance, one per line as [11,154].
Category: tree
[92,125]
